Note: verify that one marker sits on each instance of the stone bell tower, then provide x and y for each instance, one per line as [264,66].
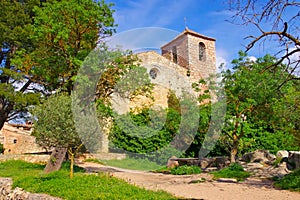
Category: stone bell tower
[194,52]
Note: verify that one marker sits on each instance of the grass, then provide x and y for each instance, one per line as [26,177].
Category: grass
[290,181]
[82,186]
[131,163]
[233,171]
[185,170]
[180,170]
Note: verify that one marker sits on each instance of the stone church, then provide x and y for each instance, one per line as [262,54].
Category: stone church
[186,59]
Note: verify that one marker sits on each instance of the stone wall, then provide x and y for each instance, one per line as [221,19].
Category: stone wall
[8,193]
[17,140]
[187,49]
[25,157]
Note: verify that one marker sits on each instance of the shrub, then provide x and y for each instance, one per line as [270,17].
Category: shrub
[185,170]
[290,181]
[233,171]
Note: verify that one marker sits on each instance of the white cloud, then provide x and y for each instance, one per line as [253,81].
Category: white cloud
[147,13]
[252,58]
[142,38]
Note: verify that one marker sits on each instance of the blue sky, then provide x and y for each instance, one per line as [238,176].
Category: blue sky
[208,17]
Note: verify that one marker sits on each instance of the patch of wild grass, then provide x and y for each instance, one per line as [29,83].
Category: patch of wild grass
[82,186]
[180,170]
[232,171]
[133,163]
[290,181]
[185,170]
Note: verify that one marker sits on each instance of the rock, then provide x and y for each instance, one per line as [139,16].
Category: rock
[6,192]
[282,154]
[254,166]
[205,163]
[219,162]
[211,169]
[294,160]
[172,163]
[260,156]
[227,180]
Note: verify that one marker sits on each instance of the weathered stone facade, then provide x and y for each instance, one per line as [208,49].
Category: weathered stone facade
[184,60]
[16,139]
[194,52]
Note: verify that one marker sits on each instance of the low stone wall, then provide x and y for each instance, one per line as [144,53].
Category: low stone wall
[25,157]
[101,156]
[7,193]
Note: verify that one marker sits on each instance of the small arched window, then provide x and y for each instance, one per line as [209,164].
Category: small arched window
[174,54]
[202,51]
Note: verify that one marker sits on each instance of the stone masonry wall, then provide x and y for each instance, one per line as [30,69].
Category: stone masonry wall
[18,141]
[201,68]
[8,193]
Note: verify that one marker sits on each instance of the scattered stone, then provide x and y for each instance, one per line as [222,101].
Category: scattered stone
[7,193]
[282,154]
[210,169]
[254,166]
[227,180]
[294,160]
[219,162]
[172,162]
[260,156]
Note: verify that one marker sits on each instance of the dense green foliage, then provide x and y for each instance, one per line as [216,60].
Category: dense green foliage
[15,17]
[233,171]
[185,170]
[137,143]
[290,181]
[64,33]
[42,46]
[261,113]
[152,139]
[82,186]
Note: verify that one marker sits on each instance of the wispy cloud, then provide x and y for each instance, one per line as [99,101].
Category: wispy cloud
[147,13]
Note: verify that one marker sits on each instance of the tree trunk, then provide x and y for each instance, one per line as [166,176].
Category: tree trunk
[56,159]
[3,115]
[234,148]
[72,156]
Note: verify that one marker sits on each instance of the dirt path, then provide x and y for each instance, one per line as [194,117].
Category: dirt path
[182,186]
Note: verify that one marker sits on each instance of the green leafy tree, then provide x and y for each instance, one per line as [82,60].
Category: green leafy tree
[251,98]
[54,126]
[42,46]
[259,113]
[64,33]
[15,97]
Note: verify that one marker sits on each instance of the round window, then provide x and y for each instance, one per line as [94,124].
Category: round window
[153,73]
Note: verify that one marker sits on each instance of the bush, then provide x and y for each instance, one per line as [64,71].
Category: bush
[290,181]
[146,138]
[233,171]
[185,170]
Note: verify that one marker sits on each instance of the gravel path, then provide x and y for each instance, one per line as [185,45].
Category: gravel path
[183,186]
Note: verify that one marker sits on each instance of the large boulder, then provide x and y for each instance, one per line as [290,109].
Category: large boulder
[219,162]
[282,154]
[259,156]
[294,160]
[172,162]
